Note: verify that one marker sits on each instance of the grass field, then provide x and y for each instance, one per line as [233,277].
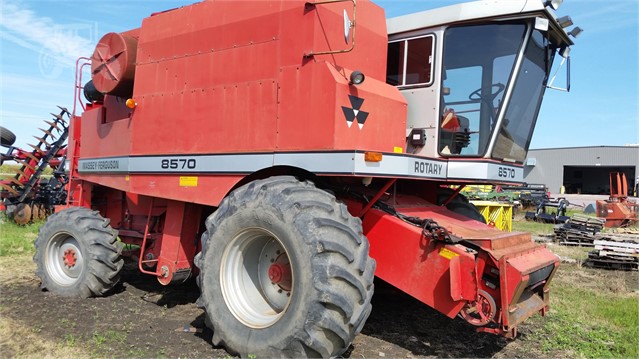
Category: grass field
[591,317]
[15,239]
[533,227]
[10,169]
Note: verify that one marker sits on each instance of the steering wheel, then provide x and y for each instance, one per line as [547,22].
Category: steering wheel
[477,94]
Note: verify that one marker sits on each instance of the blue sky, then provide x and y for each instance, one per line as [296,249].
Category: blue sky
[40,40]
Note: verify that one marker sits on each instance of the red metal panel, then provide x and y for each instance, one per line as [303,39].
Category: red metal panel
[113,206]
[369,54]
[306,110]
[210,190]
[445,276]
[209,26]
[385,126]
[463,282]
[95,134]
[208,44]
[526,264]
[219,119]
[139,205]
[315,119]
[496,242]
[455,279]
[515,269]
[177,245]
[411,263]
[115,110]
[119,182]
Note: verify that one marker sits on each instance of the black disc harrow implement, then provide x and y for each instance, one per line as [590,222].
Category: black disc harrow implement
[27,195]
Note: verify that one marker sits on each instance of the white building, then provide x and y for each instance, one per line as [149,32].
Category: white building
[582,170]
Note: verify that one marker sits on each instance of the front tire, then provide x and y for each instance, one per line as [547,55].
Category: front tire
[284,271]
[77,254]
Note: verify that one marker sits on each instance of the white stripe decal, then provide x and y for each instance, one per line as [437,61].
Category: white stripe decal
[485,171]
[402,166]
[348,163]
[196,164]
[340,162]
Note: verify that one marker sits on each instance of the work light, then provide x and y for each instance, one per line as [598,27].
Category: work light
[554,4]
[357,77]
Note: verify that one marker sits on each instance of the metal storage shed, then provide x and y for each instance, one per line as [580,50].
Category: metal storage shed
[582,170]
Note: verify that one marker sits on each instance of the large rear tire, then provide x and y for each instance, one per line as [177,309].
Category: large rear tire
[284,271]
[77,254]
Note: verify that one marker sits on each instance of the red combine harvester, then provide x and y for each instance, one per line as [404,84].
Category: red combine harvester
[285,154]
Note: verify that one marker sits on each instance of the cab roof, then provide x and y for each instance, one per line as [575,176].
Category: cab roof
[476,10]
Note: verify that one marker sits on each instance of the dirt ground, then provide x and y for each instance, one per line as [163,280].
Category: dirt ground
[144,319]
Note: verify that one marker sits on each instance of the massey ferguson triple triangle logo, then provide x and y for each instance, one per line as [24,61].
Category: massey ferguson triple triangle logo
[355,113]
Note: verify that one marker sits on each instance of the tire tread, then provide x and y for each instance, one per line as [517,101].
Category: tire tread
[342,267]
[103,260]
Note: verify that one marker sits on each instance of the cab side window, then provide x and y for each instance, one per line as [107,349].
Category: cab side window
[410,62]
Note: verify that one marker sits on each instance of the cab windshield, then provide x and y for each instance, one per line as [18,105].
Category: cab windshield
[478,65]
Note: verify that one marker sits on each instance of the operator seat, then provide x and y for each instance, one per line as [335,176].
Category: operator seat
[454,134]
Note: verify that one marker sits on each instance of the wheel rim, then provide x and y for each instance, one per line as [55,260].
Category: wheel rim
[484,310]
[256,278]
[64,261]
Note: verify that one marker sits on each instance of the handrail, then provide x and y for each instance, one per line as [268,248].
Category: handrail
[77,84]
[353,26]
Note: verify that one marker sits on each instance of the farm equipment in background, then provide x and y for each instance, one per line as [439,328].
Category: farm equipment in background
[490,193]
[26,196]
[542,214]
[524,196]
[285,184]
[528,195]
[618,210]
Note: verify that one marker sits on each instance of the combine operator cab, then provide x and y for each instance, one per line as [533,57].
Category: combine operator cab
[474,75]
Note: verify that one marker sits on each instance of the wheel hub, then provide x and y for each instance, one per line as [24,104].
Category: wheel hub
[63,259]
[280,273]
[482,311]
[69,258]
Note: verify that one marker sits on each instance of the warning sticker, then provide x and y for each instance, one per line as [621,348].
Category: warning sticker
[447,253]
[398,150]
[188,181]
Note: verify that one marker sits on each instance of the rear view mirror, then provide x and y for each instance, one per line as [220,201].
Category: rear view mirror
[348,24]
[564,52]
